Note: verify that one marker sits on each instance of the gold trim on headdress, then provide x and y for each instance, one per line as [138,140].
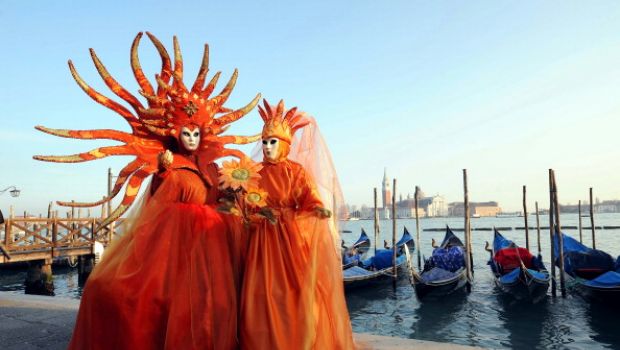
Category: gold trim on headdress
[279,124]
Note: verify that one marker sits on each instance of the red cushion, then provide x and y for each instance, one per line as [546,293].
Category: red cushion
[508,259]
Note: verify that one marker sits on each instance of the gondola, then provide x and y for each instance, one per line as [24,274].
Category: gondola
[444,272]
[591,272]
[377,269]
[516,271]
[406,239]
[352,255]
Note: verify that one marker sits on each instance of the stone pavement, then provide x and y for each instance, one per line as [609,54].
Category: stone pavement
[38,322]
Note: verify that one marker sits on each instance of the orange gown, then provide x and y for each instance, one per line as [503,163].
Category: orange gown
[169,282]
[292,296]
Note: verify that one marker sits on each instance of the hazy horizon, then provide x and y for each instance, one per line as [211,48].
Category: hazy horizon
[504,89]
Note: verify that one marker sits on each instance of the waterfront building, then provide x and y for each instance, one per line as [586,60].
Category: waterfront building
[431,206]
[475,208]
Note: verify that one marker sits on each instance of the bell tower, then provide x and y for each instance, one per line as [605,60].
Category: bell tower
[385,190]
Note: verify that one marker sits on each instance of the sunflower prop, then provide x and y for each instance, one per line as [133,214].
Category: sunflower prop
[239,180]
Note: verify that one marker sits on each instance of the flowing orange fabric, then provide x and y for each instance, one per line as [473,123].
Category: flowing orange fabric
[169,282]
[292,295]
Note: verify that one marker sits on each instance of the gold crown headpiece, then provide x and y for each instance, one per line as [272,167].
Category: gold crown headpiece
[280,124]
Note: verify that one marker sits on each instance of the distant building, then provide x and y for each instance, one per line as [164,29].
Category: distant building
[475,208]
[606,207]
[433,206]
[609,206]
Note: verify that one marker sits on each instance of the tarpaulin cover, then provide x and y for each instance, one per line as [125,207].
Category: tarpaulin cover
[381,260]
[610,279]
[510,277]
[450,259]
[582,261]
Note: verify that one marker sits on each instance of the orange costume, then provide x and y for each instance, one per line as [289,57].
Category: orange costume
[172,280]
[292,296]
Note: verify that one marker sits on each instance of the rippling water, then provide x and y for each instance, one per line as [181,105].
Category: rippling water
[484,317]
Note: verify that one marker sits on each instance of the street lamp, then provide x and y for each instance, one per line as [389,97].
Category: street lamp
[14,192]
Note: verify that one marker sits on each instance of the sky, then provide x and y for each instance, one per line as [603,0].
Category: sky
[504,89]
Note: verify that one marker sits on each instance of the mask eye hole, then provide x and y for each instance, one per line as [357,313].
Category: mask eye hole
[264,142]
[185,133]
[273,142]
[196,134]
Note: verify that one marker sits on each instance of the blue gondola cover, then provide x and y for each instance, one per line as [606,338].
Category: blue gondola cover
[510,277]
[609,279]
[583,261]
[381,260]
[450,259]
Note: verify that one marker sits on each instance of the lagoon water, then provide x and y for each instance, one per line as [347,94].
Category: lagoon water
[484,317]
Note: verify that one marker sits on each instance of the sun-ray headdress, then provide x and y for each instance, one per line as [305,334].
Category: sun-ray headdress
[169,108]
[280,124]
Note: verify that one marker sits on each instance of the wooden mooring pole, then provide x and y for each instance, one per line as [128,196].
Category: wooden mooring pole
[39,279]
[580,225]
[417,227]
[559,234]
[527,231]
[376,222]
[538,228]
[592,220]
[551,233]
[394,231]
[468,260]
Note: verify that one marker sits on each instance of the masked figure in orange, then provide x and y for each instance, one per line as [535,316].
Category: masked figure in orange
[292,296]
[170,282]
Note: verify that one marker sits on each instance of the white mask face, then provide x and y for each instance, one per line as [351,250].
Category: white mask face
[271,147]
[190,138]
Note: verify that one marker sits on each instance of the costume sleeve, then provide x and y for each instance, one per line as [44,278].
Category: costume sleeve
[306,194]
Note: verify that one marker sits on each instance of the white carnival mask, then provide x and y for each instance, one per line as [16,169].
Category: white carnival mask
[271,147]
[190,138]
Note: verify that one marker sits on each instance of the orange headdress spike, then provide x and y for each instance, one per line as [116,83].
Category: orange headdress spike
[113,84]
[278,124]
[220,99]
[238,114]
[211,86]
[169,108]
[202,72]
[178,66]
[166,68]
[147,89]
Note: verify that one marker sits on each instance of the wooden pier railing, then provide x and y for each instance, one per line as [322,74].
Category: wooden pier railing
[28,239]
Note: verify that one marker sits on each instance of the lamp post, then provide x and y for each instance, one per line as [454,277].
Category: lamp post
[13,191]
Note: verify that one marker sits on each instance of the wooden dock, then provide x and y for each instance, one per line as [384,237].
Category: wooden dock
[30,239]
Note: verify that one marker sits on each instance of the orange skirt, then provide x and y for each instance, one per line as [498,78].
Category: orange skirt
[168,283]
[293,295]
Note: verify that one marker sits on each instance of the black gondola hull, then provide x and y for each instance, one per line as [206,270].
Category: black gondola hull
[597,294]
[438,289]
[373,279]
[526,287]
